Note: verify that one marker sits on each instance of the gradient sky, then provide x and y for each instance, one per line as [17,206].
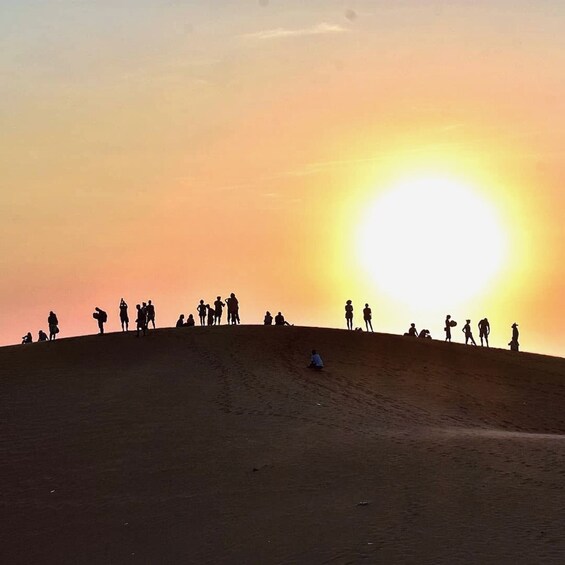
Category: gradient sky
[176,150]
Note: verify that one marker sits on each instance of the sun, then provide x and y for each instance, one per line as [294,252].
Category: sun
[431,242]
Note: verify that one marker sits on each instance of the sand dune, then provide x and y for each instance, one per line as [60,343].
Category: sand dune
[216,445]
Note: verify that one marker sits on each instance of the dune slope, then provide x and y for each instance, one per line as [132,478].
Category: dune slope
[217,445]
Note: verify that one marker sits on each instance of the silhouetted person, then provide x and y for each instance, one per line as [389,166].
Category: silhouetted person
[514,345]
[202,312]
[468,333]
[42,336]
[150,309]
[268,320]
[190,321]
[367,316]
[447,328]
[349,314]
[180,321]
[141,320]
[101,317]
[425,334]
[316,362]
[211,314]
[124,318]
[53,325]
[280,321]
[28,338]
[484,330]
[412,331]
[233,309]
[218,309]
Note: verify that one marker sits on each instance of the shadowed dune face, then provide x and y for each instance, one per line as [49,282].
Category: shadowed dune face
[217,445]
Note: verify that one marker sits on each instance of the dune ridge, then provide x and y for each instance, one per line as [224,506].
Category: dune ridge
[217,445]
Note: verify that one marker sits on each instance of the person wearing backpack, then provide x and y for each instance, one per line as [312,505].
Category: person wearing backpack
[53,325]
[102,318]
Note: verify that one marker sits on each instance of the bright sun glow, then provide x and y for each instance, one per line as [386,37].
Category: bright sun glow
[431,242]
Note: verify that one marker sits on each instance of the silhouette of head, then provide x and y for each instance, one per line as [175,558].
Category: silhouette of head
[181,316]
[366,306]
[468,321]
[232,295]
[448,316]
[267,313]
[149,302]
[138,306]
[413,325]
[202,302]
[348,302]
[279,314]
[219,298]
[514,325]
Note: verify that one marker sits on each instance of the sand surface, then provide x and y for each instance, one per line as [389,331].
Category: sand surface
[216,445]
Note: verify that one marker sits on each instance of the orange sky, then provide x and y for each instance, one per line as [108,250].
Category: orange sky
[180,150]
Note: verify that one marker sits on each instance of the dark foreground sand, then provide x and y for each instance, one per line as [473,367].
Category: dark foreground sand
[215,445]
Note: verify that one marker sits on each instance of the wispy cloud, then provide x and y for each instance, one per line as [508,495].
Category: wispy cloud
[280,32]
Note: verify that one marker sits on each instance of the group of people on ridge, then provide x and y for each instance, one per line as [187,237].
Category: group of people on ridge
[53,324]
[484,332]
[279,320]
[212,315]
[483,325]
[367,316]
[145,315]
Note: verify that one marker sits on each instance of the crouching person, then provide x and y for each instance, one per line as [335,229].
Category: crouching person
[316,362]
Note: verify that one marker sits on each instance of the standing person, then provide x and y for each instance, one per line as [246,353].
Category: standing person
[484,330]
[124,318]
[141,320]
[514,345]
[101,317]
[202,312]
[218,309]
[447,329]
[367,316]
[53,325]
[233,309]
[268,320]
[150,309]
[349,314]
[468,333]
[211,314]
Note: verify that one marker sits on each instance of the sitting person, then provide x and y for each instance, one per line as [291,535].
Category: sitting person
[180,321]
[190,321]
[412,332]
[268,320]
[42,336]
[27,338]
[425,334]
[280,321]
[316,362]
